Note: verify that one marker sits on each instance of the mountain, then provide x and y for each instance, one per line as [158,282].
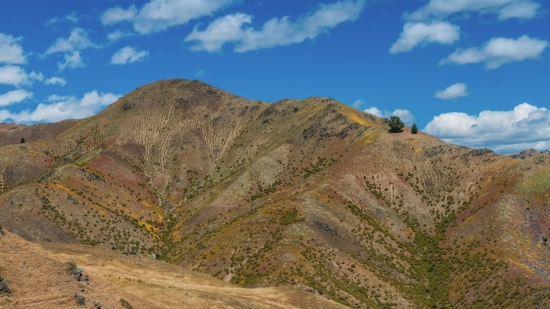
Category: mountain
[296,193]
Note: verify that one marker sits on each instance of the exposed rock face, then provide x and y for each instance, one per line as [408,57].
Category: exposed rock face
[307,192]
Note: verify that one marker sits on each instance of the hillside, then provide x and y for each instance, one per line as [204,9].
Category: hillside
[308,193]
[40,278]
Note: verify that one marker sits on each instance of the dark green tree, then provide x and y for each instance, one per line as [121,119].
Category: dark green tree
[414,129]
[22,140]
[396,125]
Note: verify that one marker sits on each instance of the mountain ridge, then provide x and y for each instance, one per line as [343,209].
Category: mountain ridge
[296,192]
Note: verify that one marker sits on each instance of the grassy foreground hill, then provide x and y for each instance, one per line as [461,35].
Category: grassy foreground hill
[308,193]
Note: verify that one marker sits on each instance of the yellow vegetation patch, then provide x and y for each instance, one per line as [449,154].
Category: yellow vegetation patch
[369,137]
[353,116]
[529,269]
[312,108]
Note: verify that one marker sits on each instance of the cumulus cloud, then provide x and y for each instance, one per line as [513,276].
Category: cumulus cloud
[159,15]
[14,96]
[499,51]
[275,32]
[36,76]
[61,107]
[504,9]
[117,35]
[454,91]
[70,17]
[13,75]
[55,80]
[405,115]
[128,55]
[78,40]
[415,34]
[17,76]
[71,47]
[72,60]
[526,126]
[11,51]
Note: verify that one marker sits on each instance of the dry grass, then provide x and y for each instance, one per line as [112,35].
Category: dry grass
[38,278]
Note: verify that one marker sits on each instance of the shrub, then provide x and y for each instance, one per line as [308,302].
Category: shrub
[414,129]
[79,299]
[396,125]
[72,268]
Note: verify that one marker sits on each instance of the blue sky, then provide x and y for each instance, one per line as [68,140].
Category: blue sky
[471,72]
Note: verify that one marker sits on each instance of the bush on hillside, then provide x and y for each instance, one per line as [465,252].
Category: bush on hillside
[414,129]
[396,125]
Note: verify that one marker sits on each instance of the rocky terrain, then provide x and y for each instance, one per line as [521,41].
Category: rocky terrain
[278,198]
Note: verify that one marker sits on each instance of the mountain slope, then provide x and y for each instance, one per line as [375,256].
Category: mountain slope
[307,192]
[39,278]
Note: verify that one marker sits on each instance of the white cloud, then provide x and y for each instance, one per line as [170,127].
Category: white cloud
[200,72]
[70,17]
[55,80]
[526,126]
[376,112]
[454,91]
[275,32]
[17,76]
[128,55]
[117,35]
[405,115]
[414,34]
[36,76]
[159,15]
[62,108]
[78,40]
[222,30]
[55,98]
[13,75]
[11,51]
[504,9]
[357,103]
[72,60]
[519,9]
[499,51]
[118,14]
[14,96]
